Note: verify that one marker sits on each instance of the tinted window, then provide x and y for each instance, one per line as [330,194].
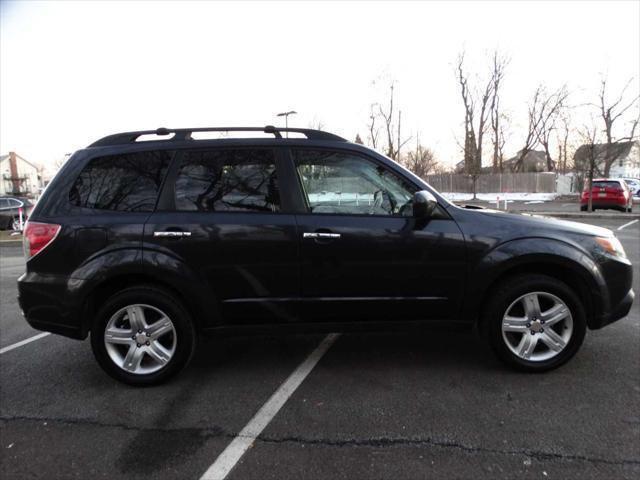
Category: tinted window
[4,203]
[128,182]
[344,183]
[228,180]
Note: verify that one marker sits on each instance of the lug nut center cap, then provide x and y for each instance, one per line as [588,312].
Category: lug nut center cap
[141,338]
[536,326]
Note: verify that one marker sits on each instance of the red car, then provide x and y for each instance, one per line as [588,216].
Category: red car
[608,193]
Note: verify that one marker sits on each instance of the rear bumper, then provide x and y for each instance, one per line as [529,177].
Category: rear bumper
[606,203]
[49,303]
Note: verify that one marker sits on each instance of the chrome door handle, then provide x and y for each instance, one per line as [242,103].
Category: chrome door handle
[171,234]
[320,235]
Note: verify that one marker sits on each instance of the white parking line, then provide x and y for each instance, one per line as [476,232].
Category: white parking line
[627,224]
[237,448]
[24,342]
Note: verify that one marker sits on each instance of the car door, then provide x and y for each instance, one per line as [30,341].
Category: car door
[363,255]
[222,217]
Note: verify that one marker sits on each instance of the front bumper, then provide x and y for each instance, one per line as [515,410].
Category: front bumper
[618,311]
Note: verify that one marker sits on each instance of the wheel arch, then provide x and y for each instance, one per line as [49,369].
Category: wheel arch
[564,263]
[107,287]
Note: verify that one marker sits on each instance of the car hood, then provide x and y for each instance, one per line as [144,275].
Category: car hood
[541,223]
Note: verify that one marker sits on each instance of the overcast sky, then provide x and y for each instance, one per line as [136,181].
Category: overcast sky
[73,72]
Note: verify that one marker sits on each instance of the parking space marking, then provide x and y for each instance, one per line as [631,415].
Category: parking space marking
[244,440]
[627,224]
[24,342]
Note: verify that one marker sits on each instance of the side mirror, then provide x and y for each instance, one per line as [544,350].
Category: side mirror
[424,203]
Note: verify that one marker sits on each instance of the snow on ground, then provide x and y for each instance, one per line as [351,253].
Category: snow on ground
[509,197]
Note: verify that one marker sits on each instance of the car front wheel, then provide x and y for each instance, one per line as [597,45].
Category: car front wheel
[535,322]
[142,336]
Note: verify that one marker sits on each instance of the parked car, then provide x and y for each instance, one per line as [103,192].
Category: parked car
[634,186]
[10,212]
[612,193]
[147,245]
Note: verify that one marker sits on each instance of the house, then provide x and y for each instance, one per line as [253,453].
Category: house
[20,177]
[533,161]
[626,155]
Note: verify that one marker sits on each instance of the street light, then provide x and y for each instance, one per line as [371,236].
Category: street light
[286,118]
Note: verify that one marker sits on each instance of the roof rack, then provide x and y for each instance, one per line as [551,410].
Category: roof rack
[181,134]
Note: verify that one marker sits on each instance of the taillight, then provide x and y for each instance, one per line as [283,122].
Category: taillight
[37,236]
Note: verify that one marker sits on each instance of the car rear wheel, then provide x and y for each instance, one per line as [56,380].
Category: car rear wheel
[535,322]
[142,336]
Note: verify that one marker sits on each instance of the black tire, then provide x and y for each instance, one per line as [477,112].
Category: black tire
[509,291]
[583,208]
[185,335]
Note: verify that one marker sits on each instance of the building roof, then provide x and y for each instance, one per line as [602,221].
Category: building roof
[33,164]
[618,150]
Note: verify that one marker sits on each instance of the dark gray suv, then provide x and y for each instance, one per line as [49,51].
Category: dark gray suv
[145,245]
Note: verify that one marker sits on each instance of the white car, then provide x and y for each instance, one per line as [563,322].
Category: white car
[634,186]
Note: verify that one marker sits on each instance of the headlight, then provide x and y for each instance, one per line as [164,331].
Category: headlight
[611,246]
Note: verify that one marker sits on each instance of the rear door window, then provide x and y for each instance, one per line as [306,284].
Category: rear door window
[128,182]
[228,180]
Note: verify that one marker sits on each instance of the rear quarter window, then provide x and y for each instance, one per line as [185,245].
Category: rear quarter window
[128,182]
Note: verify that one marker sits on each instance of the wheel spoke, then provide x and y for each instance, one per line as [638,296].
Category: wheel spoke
[555,314]
[136,318]
[531,305]
[551,339]
[133,359]
[514,324]
[119,336]
[158,353]
[159,328]
[527,345]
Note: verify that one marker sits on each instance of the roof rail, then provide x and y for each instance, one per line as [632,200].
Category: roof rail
[181,134]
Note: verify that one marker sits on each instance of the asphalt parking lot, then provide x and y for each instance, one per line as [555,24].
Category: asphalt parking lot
[430,405]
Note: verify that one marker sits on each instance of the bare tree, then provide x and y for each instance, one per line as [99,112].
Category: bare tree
[479,104]
[358,139]
[562,140]
[549,111]
[543,112]
[373,128]
[497,74]
[394,141]
[589,135]
[610,112]
[316,124]
[421,160]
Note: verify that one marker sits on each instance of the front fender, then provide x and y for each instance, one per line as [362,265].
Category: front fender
[537,255]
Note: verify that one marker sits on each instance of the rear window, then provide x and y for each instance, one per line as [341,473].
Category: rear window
[608,184]
[242,180]
[126,183]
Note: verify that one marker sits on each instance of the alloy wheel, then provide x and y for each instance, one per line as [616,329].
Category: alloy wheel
[140,339]
[537,326]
